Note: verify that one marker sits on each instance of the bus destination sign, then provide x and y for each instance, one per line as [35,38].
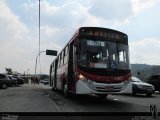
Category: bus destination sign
[105,34]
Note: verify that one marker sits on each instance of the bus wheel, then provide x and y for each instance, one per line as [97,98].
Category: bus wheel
[102,96]
[65,91]
[149,94]
[133,93]
[53,89]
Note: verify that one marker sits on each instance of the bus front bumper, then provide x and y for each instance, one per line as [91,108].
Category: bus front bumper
[103,88]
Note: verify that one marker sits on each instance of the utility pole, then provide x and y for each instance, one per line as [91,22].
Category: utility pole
[39,36]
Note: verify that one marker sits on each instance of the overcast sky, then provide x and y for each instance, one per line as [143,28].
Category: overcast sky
[140,19]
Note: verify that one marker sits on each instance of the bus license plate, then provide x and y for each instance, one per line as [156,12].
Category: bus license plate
[108,88]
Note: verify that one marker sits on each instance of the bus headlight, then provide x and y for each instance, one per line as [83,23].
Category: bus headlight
[81,77]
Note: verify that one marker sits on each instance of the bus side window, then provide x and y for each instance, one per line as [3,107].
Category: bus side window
[53,67]
[62,57]
[66,55]
[66,50]
[59,61]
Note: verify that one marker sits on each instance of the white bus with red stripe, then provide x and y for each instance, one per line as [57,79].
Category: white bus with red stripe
[94,61]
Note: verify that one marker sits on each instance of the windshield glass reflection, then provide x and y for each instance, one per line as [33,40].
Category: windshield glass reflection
[103,54]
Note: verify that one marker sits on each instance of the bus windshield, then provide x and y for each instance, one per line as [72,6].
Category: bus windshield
[103,54]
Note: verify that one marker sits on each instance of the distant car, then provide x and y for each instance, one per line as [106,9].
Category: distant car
[141,87]
[155,81]
[13,81]
[4,81]
[45,81]
[19,80]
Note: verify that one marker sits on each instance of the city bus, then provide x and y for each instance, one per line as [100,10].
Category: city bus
[94,61]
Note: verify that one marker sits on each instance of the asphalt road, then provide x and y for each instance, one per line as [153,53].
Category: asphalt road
[25,98]
[113,103]
[40,98]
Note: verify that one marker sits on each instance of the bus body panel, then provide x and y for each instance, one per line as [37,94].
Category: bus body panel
[103,78]
[62,76]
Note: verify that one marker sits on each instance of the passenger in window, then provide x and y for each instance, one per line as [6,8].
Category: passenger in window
[93,61]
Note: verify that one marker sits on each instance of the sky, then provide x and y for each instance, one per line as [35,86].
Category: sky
[19,42]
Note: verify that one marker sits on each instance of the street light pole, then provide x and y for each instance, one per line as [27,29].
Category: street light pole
[39,36]
[48,52]
[36,63]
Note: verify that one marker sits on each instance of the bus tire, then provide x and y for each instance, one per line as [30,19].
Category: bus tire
[65,91]
[148,94]
[133,93]
[102,96]
[53,89]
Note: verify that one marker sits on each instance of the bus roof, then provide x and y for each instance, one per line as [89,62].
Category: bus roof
[101,28]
